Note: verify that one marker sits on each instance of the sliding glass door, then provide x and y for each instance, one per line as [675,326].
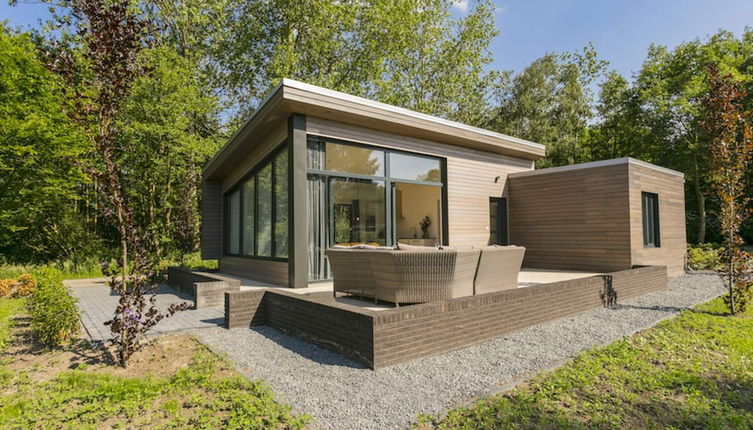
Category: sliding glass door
[360,194]
[357,212]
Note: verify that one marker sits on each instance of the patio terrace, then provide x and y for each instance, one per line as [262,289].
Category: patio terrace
[381,335]
[322,290]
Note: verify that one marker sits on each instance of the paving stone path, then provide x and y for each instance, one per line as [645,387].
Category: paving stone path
[97,303]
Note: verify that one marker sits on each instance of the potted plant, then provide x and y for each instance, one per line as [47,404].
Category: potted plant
[425,224]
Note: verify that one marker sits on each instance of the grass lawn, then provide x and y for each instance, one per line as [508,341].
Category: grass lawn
[175,382]
[692,371]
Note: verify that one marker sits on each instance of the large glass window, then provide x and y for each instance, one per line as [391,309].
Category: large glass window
[358,211]
[249,200]
[415,168]
[281,205]
[256,215]
[338,157]
[233,222]
[264,214]
[354,159]
[359,194]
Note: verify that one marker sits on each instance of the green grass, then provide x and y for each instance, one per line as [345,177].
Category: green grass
[92,268]
[692,371]
[69,271]
[207,394]
[8,309]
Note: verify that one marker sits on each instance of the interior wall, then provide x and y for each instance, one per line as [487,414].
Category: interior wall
[413,203]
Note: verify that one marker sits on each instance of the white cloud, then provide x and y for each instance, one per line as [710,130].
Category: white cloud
[461,5]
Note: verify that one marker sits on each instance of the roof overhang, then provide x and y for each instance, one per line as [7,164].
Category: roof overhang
[601,163]
[292,96]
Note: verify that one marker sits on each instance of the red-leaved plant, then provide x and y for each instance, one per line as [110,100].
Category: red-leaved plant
[731,149]
[99,64]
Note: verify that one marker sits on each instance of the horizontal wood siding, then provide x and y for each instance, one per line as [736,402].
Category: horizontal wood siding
[261,149]
[472,176]
[671,192]
[270,271]
[576,219]
[211,220]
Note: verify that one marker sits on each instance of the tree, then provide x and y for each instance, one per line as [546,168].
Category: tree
[670,87]
[38,147]
[168,125]
[620,130]
[406,52]
[730,129]
[550,103]
[100,77]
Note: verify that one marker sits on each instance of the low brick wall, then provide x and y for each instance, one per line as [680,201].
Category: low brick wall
[385,338]
[435,328]
[345,330]
[244,308]
[207,289]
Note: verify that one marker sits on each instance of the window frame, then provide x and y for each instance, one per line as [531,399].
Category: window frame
[650,227]
[268,160]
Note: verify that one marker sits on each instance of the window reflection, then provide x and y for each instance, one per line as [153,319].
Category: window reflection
[264,190]
[415,168]
[358,211]
[354,159]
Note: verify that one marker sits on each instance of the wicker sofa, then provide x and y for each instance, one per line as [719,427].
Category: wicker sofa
[351,271]
[425,275]
[417,274]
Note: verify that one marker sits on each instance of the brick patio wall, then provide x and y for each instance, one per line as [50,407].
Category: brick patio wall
[385,338]
[207,289]
[417,331]
[244,308]
[340,329]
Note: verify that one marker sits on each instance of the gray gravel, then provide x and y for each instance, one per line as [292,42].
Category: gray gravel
[340,394]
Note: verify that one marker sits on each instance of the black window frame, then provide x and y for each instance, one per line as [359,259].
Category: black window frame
[268,160]
[650,220]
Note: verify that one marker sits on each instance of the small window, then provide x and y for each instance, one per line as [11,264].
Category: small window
[650,209]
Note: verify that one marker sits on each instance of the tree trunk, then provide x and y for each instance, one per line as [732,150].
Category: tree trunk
[700,201]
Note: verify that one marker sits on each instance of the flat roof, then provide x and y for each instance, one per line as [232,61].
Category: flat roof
[291,96]
[602,163]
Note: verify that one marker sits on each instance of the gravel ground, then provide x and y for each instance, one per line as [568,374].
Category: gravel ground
[340,394]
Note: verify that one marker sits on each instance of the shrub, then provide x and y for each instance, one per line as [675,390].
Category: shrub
[704,256]
[14,288]
[54,316]
[190,261]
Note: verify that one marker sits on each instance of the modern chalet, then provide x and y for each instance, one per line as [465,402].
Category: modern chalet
[405,200]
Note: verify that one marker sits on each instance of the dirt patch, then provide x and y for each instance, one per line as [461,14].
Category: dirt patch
[159,357]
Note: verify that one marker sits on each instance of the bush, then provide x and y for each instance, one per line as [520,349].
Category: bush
[14,288]
[54,316]
[190,261]
[88,269]
[704,256]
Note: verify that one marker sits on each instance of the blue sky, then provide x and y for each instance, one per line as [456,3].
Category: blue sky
[621,30]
